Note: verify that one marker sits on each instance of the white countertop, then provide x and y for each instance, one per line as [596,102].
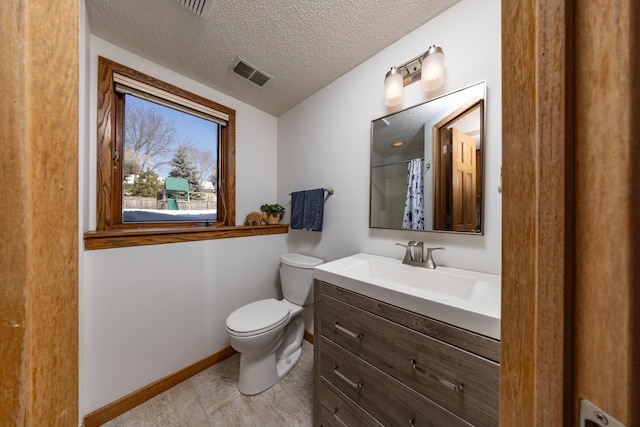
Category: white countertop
[467,299]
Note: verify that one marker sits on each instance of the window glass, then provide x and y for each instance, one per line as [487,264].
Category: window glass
[169,164]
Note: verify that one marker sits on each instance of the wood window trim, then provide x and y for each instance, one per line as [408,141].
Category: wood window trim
[122,238]
[110,231]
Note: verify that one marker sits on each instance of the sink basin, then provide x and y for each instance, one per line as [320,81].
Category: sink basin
[467,299]
[451,284]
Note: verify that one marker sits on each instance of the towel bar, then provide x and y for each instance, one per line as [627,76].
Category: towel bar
[326,190]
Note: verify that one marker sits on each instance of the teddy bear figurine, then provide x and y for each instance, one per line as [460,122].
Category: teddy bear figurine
[256,218]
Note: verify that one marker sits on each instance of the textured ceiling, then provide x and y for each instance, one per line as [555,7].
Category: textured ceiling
[303,44]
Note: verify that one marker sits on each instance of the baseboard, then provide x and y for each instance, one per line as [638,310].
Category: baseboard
[308,336]
[120,406]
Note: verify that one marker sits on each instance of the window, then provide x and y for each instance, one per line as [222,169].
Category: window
[166,157]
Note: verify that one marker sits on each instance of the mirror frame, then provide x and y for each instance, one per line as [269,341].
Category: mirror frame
[469,105]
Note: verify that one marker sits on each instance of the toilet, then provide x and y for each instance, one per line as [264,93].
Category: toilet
[268,333]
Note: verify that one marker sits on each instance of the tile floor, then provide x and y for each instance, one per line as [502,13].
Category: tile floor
[211,399]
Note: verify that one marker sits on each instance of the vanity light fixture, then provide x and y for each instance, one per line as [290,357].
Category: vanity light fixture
[427,67]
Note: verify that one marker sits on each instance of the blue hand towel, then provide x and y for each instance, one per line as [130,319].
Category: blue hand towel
[297,210]
[313,209]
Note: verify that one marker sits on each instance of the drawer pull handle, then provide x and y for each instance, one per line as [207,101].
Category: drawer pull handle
[348,332]
[335,415]
[355,385]
[452,386]
[411,420]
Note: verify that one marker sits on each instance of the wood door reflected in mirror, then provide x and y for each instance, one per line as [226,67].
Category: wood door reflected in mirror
[426,165]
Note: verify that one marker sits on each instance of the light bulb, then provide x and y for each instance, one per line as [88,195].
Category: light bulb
[393,88]
[432,69]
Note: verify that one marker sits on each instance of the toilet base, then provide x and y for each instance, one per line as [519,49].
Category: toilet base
[283,366]
[259,373]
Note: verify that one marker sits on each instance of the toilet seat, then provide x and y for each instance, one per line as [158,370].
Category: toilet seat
[258,317]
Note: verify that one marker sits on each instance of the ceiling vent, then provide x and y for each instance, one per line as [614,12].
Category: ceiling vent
[202,8]
[249,72]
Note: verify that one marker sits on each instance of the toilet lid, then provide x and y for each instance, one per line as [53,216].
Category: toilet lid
[258,316]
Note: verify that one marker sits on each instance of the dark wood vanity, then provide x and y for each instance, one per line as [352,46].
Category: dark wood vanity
[377,364]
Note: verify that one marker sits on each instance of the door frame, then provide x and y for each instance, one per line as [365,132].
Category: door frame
[536,232]
[570,328]
[39,228]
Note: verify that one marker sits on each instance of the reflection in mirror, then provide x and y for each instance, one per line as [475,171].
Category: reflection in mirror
[426,165]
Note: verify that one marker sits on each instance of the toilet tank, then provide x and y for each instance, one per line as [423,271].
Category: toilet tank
[296,277]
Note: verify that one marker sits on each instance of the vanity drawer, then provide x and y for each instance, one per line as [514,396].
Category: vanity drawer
[481,345]
[455,379]
[388,401]
[338,410]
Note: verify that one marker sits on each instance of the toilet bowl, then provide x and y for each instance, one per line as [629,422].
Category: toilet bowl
[268,333]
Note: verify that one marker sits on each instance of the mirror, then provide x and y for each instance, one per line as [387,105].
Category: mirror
[426,165]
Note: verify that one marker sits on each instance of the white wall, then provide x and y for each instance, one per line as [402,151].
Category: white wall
[325,140]
[149,311]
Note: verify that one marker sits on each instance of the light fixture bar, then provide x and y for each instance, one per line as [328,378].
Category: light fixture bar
[432,61]
[410,70]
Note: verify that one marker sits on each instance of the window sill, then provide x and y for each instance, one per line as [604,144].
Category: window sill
[155,236]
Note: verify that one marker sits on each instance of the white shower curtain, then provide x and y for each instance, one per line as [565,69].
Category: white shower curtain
[413,218]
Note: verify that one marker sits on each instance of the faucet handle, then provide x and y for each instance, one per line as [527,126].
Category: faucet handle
[407,254]
[429,262]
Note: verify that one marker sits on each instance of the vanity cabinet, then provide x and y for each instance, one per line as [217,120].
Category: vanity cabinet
[377,364]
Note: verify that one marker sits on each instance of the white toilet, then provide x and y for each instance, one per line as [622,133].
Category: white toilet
[268,333]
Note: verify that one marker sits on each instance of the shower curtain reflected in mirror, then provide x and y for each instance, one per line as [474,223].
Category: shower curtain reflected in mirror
[413,218]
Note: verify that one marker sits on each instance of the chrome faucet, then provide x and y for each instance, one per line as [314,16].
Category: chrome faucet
[414,254]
